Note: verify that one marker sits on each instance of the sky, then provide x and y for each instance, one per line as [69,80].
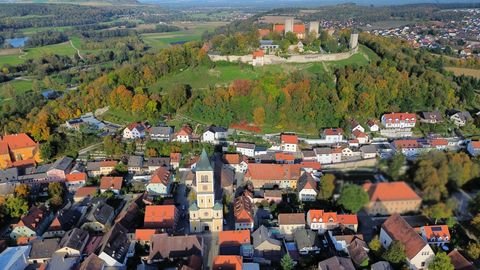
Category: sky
[294,3]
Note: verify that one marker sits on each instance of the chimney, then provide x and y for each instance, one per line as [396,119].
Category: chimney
[34,225]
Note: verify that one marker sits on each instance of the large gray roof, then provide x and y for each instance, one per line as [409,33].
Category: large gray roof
[62,164]
[261,235]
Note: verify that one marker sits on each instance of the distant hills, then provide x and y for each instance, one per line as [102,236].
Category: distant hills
[80,2]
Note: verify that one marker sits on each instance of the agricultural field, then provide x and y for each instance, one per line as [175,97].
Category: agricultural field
[464,71]
[191,31]
[18,57]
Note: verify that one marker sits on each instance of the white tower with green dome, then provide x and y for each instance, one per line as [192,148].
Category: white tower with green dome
[205,214]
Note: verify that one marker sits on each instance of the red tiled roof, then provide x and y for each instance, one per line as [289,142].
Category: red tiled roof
[258,53]
[136,125]
[227,262]
[347,219]
[25,162]
[299,28]
[232,159]
[85,191]
[289,138]
[108,163]
[399,144]
[439,142]
[291,218]
[263,32]
[4,148]
[109,182]
[18,141]
[358,134]
[390,191]
[161,216]
[185,131]
[333,131]
[436,231]
[234,238]
[311,165]
[408,117]
[398,229]
[279,28]
[175,157]
[475,144]
[161,176]
[74,177]
[259,171]
[243,209]
[284,156]
[144,234]
[459,261]
[372,122]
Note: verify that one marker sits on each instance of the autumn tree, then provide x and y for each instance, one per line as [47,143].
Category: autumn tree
[139,103]
[327,186]
[375,245]
[40,129]
[259,116]
[432,182]
[353,198]
[476,222]
[22,191]
[473,250]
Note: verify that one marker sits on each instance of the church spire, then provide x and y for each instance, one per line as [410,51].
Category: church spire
[204,163]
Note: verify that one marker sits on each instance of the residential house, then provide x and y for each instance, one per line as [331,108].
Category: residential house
[298,29]
[135,164]
[243,211]
[323,221]
[143,236]
[460,118]
[273,195]
[399,120]
[418,252]
[281,175]
[309,155]
[246,149]
[354,125]
[433,117]
[236,162]
[111,183]
[288,142]
[15,258]
[360,136]
[99,218]
[215,135]
[265,245]
[459,261]
[95,169]
[65,220]
[358,251]
[161,217]
[286,158]
[387,198]
[368,151]
[18,148]
[155,163]
[227,179]
[134,131]
[227,262]
[160,183]
[60,168]
[307,241]
[230,242]
[131,214]
[436,234]
[336,262]
[92,262]
[175,159]
[164,247]
[373,125]
[289,222]
[307,188]
[381,265]
[163,134]
[408,147]
[34,223]
[74,181]
[73,242]
[184,135]
[438,143]
[324,155]
[258,58]
[473,148]
[42,250]
[116,247]
[333,135]
[84,192]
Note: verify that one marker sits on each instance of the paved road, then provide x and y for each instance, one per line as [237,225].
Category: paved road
[462,198]
[210,249]
[182,201]
[89,148]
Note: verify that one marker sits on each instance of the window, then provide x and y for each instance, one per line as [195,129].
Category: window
[204,179]
[423,264]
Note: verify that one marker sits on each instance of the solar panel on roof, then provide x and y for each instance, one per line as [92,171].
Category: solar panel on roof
[436,229]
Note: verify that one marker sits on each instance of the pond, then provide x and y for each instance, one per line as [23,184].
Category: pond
[16,42]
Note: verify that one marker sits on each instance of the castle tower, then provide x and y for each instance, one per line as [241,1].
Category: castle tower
[353,40]
[314,27]
[289,25]
[205,214]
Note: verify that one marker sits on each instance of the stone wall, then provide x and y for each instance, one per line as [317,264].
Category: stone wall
[273,59]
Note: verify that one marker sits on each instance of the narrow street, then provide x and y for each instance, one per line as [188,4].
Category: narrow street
[210,249]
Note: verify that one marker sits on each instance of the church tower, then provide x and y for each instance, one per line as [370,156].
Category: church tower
[205,214]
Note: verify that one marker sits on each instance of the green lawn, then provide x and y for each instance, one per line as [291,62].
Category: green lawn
[33,30]
[372,56]
[19,86]
[31,53]
[120,116]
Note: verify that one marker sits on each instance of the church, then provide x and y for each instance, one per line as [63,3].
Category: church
[205,214]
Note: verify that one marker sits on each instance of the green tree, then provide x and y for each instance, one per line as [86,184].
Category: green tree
[431,181]
[395,253]
[375,245]
[476,222]
[473,250]
[395,165]
[353,198]
[55,189]
[438,211]
[327,186]
[56,201]
[441,261]
[287,262]
[16,206]
[46,150]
